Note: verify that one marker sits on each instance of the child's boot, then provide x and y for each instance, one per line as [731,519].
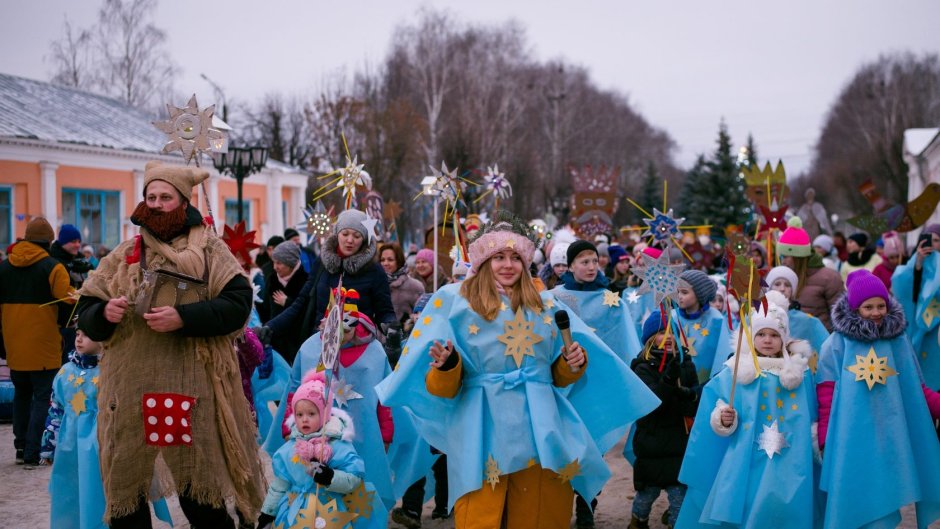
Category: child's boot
[636,523]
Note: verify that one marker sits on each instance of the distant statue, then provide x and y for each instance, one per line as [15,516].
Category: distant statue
[814,217]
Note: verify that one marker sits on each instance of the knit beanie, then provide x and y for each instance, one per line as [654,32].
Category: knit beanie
[617,253]
[576,248]
[701,284]
[184,179]
[559,255]
[290,233]
[603,249]
[932,228]
[825,242]
[783,272]
[426,254]
[287,253]
[794,241]
[274,241]
[351,219]
[860,239]
[313,389]
[67,234]
[861,285]
[655,253]
[39,230]
[653,324]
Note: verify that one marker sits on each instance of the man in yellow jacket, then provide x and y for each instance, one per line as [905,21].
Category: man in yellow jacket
[30,284]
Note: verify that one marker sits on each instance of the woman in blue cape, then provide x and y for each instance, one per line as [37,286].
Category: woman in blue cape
[517,446]
[916,286]
[751,466]
[880,449]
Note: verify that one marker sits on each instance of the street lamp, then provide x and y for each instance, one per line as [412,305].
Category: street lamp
[240,162]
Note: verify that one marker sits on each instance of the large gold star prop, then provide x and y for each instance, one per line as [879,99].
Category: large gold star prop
[322,515]
[492,472]
[872,369]
[569,471]
[189,130]
[611,299]
[359,501]
[932,312]
[519,338]
[78,402]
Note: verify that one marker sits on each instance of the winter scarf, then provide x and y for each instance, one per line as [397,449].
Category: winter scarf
[396,274]
[849,323]
[860,258]
[315,446]
[351,264]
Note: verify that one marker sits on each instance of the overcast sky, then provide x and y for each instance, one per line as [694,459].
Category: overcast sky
[769,68]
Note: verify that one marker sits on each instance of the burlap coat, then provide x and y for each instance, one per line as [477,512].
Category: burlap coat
[222,461]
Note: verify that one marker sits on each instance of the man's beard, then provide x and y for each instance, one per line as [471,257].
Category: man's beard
[165,226]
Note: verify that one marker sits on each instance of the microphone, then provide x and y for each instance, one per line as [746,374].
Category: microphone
[564,325]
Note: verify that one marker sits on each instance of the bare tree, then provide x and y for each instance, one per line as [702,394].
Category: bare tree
[71,58]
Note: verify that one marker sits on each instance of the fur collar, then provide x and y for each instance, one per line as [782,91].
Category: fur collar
[340,426]
[788,370]
[351,265]
[847,322]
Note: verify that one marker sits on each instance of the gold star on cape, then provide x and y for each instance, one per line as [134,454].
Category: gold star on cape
[437,303]
[549,303]
[547,320]
[189,129]
[569,471]
[473,329]
[931,312]
[492,472]
[79,381]
[611,299]
[872,369]
[502,306]
[359,501]
[94,380]
[426,320]
[323,515]
[519,338]
[78,402]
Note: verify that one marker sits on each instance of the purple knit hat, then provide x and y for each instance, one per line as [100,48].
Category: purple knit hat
[862,285]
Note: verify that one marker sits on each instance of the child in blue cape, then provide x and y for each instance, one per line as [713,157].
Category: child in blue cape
[517,445]
[318,476]
[916,286]
[660,438]
[880,449]
[751,466]
[700,323]
[70,442]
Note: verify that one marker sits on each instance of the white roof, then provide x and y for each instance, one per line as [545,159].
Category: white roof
[916,141]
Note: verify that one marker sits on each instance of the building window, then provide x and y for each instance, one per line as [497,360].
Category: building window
[6,216]
[231,212]
[95,213]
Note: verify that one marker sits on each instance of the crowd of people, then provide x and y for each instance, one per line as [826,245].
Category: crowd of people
[495,386]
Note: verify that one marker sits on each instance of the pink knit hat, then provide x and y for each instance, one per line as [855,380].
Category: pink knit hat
[426,254]
[313,389]
[652,252]
[494,242]
[795,241]
[861,285]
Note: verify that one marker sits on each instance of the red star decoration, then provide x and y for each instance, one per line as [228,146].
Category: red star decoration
[240,242]
[773,219]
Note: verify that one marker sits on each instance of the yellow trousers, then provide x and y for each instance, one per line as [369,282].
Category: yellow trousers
[534,498]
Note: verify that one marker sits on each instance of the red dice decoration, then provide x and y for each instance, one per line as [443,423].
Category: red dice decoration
[168,419]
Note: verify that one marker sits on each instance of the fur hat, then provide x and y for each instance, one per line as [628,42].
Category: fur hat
[313,389]
[774,318]
[286,253]
[794,241]
[505,231]
[783,272]
[67,234]
[184,179]
[39,230]
[351,219]
[559,253]
[861,285]
[701,284]
[575,249]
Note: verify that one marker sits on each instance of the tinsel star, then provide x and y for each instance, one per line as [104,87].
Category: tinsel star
[871,368]
[658,276]
[663,226]
[189,129]
[519,338]
[343,392]
[772,441]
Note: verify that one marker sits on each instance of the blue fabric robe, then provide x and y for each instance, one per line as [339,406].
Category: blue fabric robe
[640,309]
[265,390]
[515,416]
[612,323]
[703,334]
[302,489]
[923,324]
[881,450]
[732,482]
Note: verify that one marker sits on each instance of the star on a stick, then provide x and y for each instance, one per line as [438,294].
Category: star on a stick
[519,338]
[772,441]
[871,368]
[658,276]
[663,226]
[369,225]
[189,129]
[611,299]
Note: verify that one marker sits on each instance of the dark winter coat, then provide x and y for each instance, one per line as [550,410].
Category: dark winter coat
[820,290]
[78,269]
[359,271]
[661,437]
[289,342]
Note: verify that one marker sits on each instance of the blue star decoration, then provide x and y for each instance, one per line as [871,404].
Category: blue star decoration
[663,226]
[658,276]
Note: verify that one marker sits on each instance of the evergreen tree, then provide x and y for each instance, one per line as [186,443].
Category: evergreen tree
[650,194]
[725,202]
[692,198]
[751,151]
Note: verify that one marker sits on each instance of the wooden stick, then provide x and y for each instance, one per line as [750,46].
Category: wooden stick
[737,360]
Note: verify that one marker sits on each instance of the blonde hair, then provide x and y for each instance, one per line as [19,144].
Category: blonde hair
[483,297]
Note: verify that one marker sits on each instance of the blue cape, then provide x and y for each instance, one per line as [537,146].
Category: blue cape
[611,322]
[923,325]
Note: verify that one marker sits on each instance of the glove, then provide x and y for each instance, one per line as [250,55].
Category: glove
[324,476]
[393,337]
[267,363]
[265,520]
[671,373]
[264,334]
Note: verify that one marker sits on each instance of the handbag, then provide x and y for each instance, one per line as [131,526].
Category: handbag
[164,288]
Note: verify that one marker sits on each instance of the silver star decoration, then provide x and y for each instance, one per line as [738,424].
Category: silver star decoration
[343,392]
[658,276]
[633,297]
[446,182]
[352,176]
[772,440]
[663,226]
[370,227]
[496,182]
[189,130]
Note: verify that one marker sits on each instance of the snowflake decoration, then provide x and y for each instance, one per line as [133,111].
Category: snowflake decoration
[663,226]
[492,472]
[190,131]
[519,338]
[359,501]
[569,471]
[872,369]
[323,515]
[633,297]
[772,441]
[343,392]
[496,183]
[658,276]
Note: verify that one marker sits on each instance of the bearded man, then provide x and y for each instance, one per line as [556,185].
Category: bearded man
[170,394]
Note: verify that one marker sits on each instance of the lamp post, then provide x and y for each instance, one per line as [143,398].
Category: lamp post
[241,162]
[429,189]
